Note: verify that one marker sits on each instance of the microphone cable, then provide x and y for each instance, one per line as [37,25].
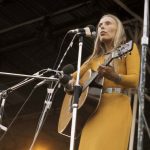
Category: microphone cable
[60,49]
[68,48]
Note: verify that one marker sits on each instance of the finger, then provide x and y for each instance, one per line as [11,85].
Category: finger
[101,67]
[111,67]
[103,71]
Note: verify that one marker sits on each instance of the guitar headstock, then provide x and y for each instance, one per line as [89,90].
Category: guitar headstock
[122,50]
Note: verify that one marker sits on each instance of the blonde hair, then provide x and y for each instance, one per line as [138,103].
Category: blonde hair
[120,38]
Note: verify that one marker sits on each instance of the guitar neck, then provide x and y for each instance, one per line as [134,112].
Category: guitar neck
[95,73]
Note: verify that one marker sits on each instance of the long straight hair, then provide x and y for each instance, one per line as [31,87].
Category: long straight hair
[120,38]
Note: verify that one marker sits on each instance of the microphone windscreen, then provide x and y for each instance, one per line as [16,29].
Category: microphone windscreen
[68,69]
[65,79]
[92,28]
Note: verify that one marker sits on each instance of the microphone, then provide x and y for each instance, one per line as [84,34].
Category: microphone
[62,75]
[89,31]
[64,81]
[68,69]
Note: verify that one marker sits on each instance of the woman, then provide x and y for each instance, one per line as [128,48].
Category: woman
[109,127]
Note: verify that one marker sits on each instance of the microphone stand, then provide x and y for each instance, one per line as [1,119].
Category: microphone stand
[77,93]
[4,93]
[30,76]
[2,100]
[46,109]
[144,42]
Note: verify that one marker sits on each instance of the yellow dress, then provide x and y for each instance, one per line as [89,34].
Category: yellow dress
[109,127]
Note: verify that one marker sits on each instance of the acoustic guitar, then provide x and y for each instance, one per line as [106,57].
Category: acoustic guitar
[90,97]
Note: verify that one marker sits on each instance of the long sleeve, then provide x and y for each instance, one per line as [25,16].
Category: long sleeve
[133,68]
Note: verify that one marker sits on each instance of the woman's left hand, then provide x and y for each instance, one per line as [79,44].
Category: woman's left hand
[109,73]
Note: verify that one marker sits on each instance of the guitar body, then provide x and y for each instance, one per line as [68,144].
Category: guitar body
[88,103]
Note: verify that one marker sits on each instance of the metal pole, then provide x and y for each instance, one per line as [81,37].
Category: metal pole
[77,92]
[29,76]
[144,43]
[46,109]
